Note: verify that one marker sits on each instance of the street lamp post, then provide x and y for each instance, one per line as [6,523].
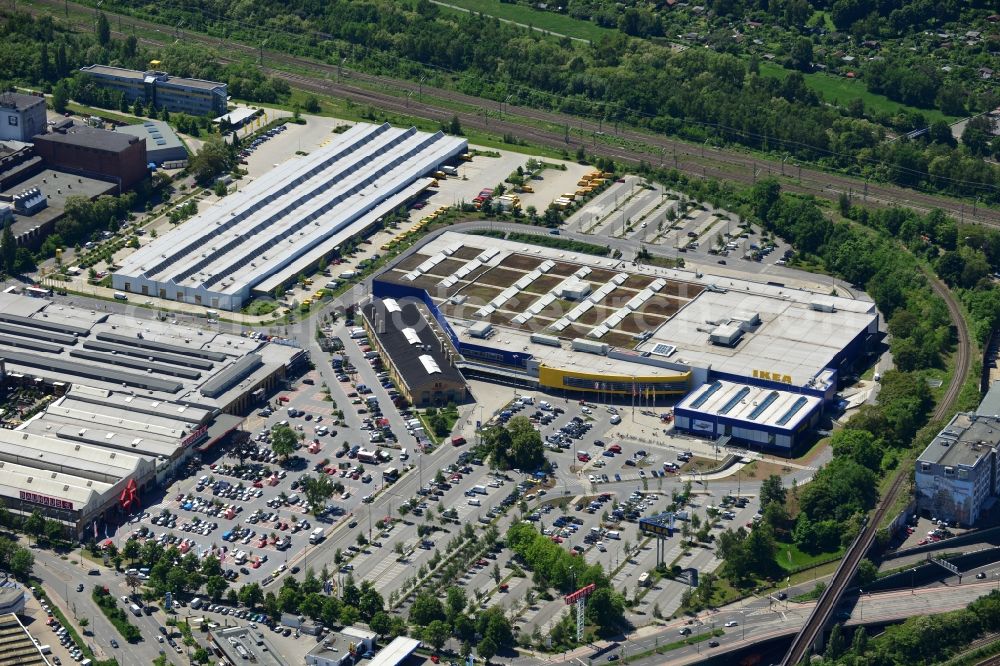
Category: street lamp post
[861,604]
[913,573]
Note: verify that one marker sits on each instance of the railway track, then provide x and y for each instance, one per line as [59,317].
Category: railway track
[963,352]
[845,572]
[573,131]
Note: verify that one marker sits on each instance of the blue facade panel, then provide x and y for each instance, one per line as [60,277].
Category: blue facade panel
[766,383]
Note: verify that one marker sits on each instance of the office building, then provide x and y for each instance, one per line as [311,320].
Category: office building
[284,222]
[112,156]
[21,116]
[956,475]
[174,93]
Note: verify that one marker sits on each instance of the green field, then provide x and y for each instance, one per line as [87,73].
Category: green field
[543,20]
[838,90]
[790,558]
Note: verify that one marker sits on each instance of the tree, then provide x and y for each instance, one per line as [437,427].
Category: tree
[867,572]
[54,530]
[494,625]
[8,248]
[311,104]
[381,623]
[131,550]
[436,633]
[426,608]
[940,132]
[103,29]
[35,524]
[371,603]
[802,54]
[214,158]
[215,587]
[455,601]
[606,609]
[772,490]
[251,595]
[133,582]
[496,573]
[487,649]
[60,97]
[283,441]
[317,489]
[976,135]
[455,127]
[21,563]
[835,647]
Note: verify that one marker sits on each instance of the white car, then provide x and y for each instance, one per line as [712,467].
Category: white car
[732,623]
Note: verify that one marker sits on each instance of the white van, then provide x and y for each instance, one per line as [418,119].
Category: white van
[120,296]
[403,455]
[475,502]
[544,406]
[347,275]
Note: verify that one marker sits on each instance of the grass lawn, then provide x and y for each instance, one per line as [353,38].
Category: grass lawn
[790,558]
[450,416]
[543,20]
[839,90]
[85,111]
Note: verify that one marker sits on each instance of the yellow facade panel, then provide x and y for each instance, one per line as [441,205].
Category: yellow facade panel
[558,378]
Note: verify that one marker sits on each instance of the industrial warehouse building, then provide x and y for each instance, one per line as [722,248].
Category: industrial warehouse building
[114,156]
[282,223]
[131,400]
[421,363]
[590,326]
[176,94]
[162,143]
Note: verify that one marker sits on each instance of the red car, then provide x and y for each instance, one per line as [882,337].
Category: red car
[583,457]
[436,659]
[282,398]
[504,587]
[615,448]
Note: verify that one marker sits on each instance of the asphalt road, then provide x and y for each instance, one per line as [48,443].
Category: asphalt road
[63,576]
[763,619]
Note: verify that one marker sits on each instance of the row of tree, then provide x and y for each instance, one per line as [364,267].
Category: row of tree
[923,639]
[553,566]
[436,622]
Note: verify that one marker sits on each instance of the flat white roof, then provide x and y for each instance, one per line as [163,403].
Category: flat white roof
[273,221]
[792,339]
[15,478]
[752,404]
[163,365]
[395,652]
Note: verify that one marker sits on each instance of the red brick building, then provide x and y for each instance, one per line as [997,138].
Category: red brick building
[94,152]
